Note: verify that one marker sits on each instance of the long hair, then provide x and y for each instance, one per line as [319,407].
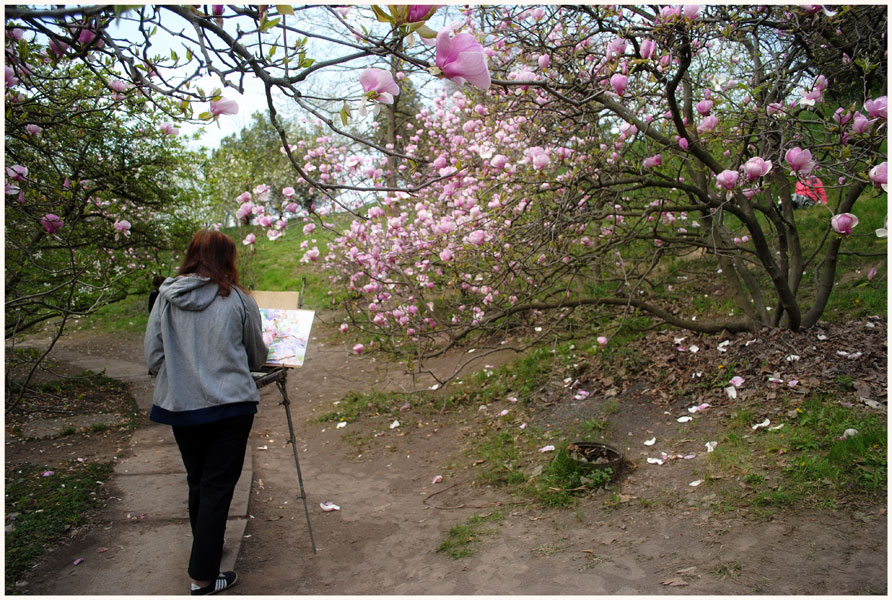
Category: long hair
[212,254]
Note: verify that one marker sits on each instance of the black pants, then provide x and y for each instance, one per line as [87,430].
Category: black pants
[213,455]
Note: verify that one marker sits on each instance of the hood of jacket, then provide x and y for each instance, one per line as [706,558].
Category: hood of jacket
[189,292]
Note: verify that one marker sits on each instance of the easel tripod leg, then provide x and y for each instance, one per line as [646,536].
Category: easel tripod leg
[280,383]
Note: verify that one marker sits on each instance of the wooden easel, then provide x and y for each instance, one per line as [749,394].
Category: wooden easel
[279,375]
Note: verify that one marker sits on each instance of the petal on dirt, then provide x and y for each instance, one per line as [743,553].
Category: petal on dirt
[776,427]
[329,506]
[655,461]
[503,413]
[764,423]
[731,391]
[822,337]
[78,561]
[793,382]
[395,424]
[723,347]
[737,381]
[511,399]
[678,341]
[548,448]
[695,483]
[263,447]
[436,386]
[689,456]
[437,479]
[694,349]
[710,446]
[684,419]
[699,407]
[775,380]
[792,358]
[47,473]
[523,425]
[650,442]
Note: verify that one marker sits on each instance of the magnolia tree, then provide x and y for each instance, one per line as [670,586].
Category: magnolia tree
[600,149]
[576,160]
[89,179]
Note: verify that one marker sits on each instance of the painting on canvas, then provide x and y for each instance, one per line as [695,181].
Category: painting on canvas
[286,332]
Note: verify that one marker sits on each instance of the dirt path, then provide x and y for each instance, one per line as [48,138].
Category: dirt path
[661,536]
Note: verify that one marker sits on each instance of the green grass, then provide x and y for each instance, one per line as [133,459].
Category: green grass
[357,404]
[807,462]
[459,542]
[47,508]
[564,479]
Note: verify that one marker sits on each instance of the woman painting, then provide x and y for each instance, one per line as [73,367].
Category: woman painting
[202,340]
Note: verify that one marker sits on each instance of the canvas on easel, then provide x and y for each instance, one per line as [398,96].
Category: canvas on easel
[286,328]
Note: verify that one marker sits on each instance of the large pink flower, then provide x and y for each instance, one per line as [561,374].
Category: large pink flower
[878,175]
[379,85]
[52,223]
[843,223]
[461,58]
[619,83]
[877,108]
[420,12]
[224,107]
[727,179]
[648,49]
[799,159]
[756,167]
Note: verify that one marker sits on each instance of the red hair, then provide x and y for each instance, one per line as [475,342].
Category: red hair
[212,254]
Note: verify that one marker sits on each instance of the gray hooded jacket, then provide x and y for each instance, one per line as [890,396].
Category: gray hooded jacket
[202,348]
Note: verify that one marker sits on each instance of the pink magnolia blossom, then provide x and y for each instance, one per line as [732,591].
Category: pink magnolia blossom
[843,223]
[86,36]
[33,129]
[727,179]
[122,226]
[756,167]
[446,255]
[288,192]
[708,124]
[244,197]
[842,116]
[683,142]
[602,340]
[652,161]
[477,237]
[224,107]
[616,47]
[462,58]
[420,12]
[119,86]
[619,83]
[876,108]
[498,161]
[544,60]
[648,49]
[249,239]
[860,123]
[691,11]
[52,223]
[17,172]
[358,348]
[217,9]
[878,175]
[167,128]
[58,47]
[11,79]
[292,207]
[799,160]
[704,107]
[774,108]
[309,228]
[379,85]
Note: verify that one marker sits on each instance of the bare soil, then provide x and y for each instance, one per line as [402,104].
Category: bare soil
[650,533]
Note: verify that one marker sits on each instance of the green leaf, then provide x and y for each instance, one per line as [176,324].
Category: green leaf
[173,55]
[206,116]
[381,15]
[269,24]
[272,50]
[307,62]
[188,54]
[284,9]
[345,114]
